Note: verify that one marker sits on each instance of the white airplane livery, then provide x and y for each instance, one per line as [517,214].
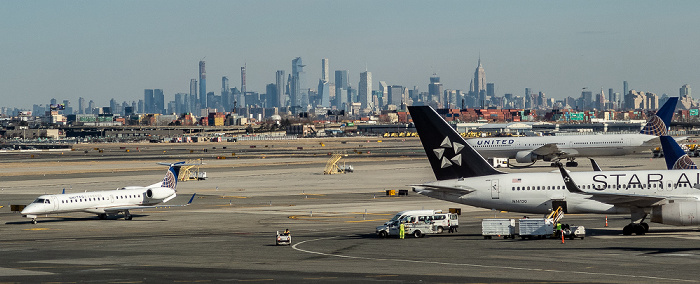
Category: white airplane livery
[111,202]
[554,148]
[463,176]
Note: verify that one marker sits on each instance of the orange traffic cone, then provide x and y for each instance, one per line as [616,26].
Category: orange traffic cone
[562,237]
[606,220]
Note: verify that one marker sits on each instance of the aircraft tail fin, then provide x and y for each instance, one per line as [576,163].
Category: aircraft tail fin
[171,176]
[449,155]
[660,123]
[675,157]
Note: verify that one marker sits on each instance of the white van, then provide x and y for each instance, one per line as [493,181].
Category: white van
[439,221]
[445,222]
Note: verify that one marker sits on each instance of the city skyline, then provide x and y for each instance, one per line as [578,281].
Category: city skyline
[104,50]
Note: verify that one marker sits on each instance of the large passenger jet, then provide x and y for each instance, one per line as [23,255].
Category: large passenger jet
[463,176]
[555,148]
[111,202]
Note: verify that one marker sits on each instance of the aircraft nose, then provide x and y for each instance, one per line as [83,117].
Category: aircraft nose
[30,209]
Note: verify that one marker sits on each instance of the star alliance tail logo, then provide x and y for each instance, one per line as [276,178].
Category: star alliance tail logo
[440,153]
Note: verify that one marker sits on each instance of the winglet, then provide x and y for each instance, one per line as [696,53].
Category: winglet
[191,199]
[660,123]
[568,181]
[595,165]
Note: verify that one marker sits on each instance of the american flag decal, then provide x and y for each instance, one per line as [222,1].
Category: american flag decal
[516,180]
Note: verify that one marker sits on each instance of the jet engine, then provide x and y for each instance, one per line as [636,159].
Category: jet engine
[159,193]
[525,157]
[675,212]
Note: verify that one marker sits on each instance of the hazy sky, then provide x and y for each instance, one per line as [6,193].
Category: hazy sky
[116,49]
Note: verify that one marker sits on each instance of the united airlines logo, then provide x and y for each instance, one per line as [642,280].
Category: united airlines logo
[684,163]
[655,126]
[444,160]
[169,180]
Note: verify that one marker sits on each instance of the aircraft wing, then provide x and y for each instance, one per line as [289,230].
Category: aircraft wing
[552,149]
[631,200]
[124,208]
[546,150]
[445,189]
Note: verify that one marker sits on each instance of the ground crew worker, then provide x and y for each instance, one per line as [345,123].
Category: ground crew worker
[402,231]
[286,232]
[558,228]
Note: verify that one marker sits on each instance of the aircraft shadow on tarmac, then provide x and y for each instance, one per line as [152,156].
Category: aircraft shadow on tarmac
[137,218]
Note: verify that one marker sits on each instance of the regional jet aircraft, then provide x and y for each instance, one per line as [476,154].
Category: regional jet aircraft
[111,202]
[555,148]
[463,176]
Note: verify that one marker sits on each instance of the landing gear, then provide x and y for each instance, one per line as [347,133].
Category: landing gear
[571,164]
[34,221]
[640,228]
[635,228]
[127,215]
[102,216]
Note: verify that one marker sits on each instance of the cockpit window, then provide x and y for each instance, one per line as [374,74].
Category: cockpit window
[47,201]
[39,200]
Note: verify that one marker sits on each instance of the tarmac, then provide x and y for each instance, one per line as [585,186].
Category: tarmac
[227,233]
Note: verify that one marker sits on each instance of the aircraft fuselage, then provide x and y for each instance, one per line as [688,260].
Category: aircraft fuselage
[535,192]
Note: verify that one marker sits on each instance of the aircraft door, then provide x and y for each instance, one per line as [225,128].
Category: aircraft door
[54,200]
[495,189]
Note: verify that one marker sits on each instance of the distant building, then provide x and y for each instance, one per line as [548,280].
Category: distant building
[435,90]
[297,82]
[148,101]
[202,85]
[280,83]
[325,76]
[365,90]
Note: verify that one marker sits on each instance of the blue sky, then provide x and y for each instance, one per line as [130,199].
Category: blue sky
[115,49]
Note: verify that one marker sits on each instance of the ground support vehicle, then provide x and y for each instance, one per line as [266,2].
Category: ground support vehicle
[573,232]
[418,230]
[535,228]
[498,228]
[445,222]
[283,238]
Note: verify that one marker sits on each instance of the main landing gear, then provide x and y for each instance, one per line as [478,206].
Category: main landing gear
[635,228]
[640,228]
[127,215]
[570,163]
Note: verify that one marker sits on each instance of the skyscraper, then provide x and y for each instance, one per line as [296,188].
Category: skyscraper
[202,85]
[225,94]
[325,75]
[435,90]
[324,93]
[297,83]
[280,82]
[479,78]
[384,89]
[243,88]
[81,105]
[148,101]
[365,89]
[158,101]
[195,103]
[685,91]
